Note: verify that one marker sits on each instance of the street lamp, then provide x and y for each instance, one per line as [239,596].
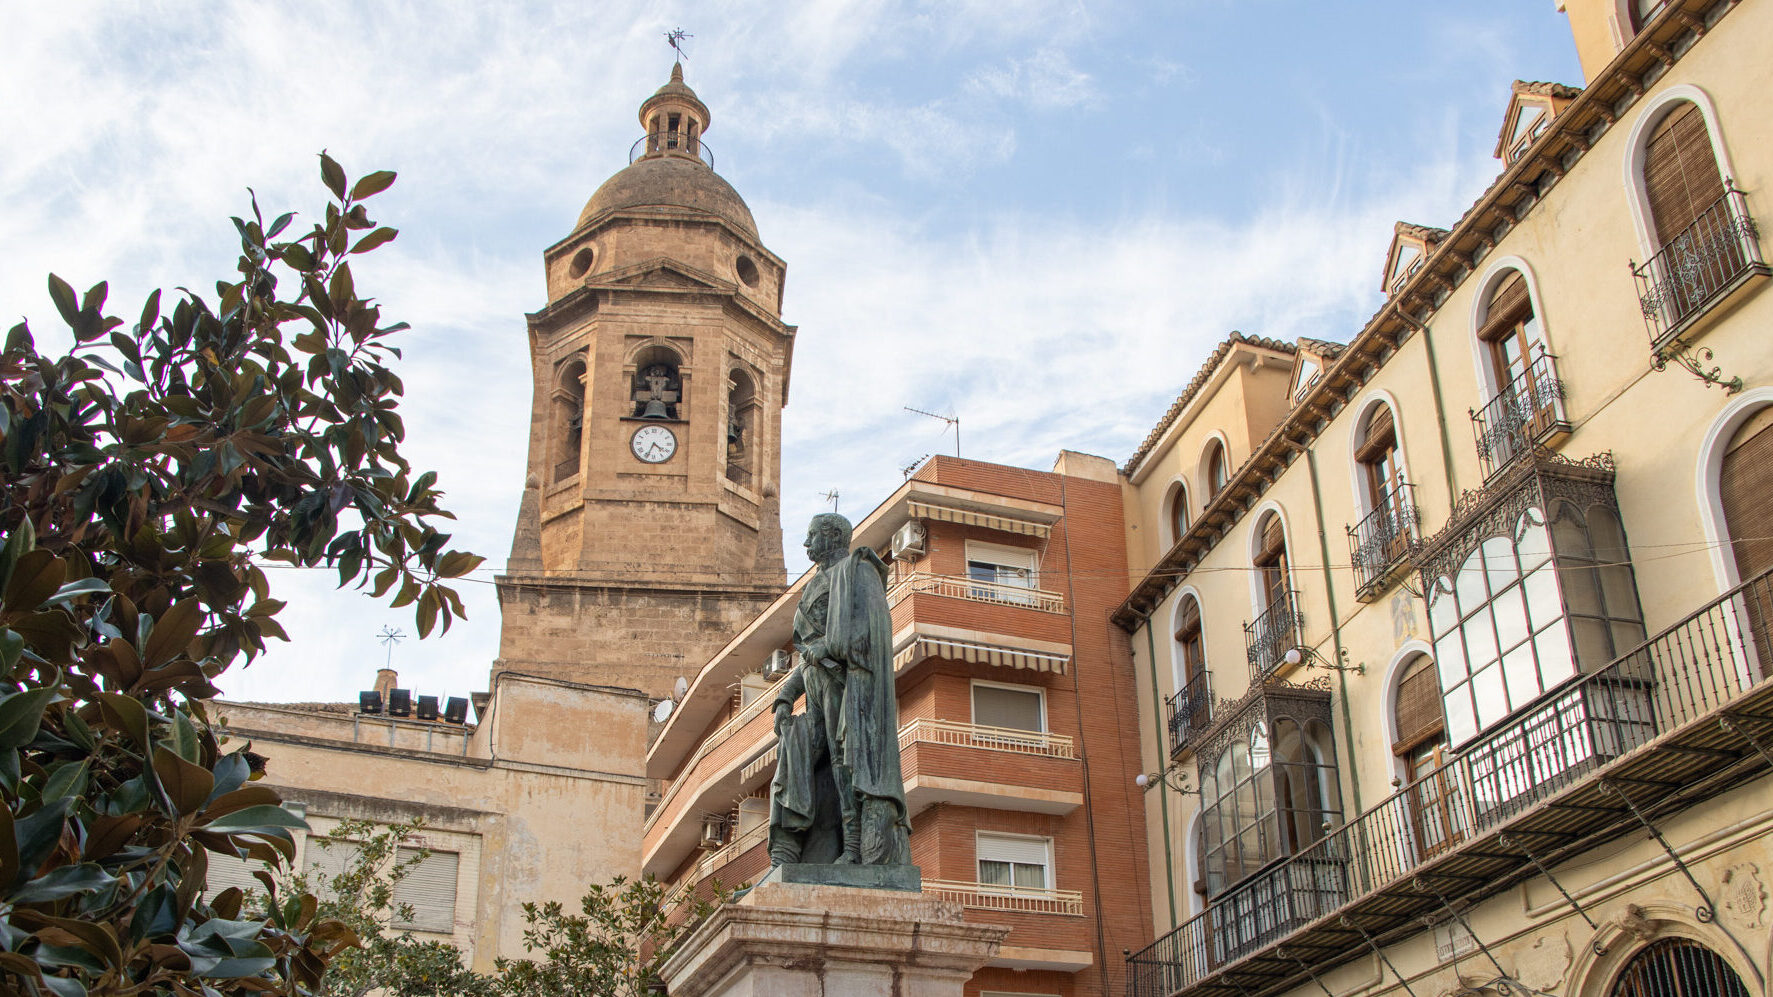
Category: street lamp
[1312,658]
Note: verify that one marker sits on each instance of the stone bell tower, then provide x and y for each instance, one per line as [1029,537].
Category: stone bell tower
[650,530]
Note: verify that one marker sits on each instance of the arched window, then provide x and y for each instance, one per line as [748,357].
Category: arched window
[1681,176]
[741,419]
[1678,967]
[657,388]
[1743,485]
[1191,708]
[1644,11]
[1525,407]
[1421,745]
[1276,627]
[1384,530]
[1216,472]
[567,432]
[1177,512]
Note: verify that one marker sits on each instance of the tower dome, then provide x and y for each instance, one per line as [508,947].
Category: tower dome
[670,166]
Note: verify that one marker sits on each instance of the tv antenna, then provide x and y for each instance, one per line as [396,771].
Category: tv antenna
[909,469]
[952,420]
[390,637]
[675,38]
[831,497]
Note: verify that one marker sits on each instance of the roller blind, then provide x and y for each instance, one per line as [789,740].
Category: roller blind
[1509,304]
[1681,177]
[430,888]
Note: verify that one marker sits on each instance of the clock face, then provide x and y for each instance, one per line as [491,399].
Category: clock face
[654,444]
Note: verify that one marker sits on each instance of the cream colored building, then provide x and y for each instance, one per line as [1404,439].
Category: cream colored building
[1452,640]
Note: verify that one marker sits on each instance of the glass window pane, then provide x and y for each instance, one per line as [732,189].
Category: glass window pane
[1620,591]
[1626,635]
[1521,674]
[1535,544]
[1499,562]
[1240,761]
[1582,591]
[1259,750]
[1555,663]
[1019,709]
[1511,618]
[1469,583]
[1461,720]
[994,873]
[1490,695]
[1032,877]
[1443,610]
[1449,658]
[1543,604]
[1480,639]
[1594,642]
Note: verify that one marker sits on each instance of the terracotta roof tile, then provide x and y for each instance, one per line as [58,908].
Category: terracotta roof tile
[1194,386]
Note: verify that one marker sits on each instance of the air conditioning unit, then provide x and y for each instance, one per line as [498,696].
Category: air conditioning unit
[781,663]
[713,831]
[908,541]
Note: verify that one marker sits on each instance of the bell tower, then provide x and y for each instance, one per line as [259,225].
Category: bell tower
[650,530]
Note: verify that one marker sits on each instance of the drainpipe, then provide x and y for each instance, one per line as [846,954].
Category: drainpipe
[1323,542]
[1163,793]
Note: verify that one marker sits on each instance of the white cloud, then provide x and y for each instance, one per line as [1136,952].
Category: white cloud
[1045,80]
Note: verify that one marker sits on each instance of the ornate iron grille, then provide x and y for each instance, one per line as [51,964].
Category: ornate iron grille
[1698,267]
[1379,541]
[1525,413]
[1678,967]
[1191,710]
[1270,636]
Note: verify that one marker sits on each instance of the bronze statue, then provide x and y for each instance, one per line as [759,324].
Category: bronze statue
[837,797]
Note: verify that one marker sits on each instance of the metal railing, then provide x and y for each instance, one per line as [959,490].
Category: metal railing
[1022,742]
[1270,636]
[961,587]
[1525,413]
[726,730]
[1697,267]
[1379,541]
[1191,711]
[670,143]
[1021,899]
[731,850]
[1687,672]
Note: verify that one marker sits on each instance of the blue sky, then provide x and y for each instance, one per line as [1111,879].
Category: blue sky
[1040,215]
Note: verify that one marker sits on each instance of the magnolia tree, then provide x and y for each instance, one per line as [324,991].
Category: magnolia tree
[148,475]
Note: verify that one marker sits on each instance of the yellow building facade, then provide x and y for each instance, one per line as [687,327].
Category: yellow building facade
[1452,639]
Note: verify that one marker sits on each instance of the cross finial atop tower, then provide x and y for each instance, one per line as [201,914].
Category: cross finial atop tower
[675,38]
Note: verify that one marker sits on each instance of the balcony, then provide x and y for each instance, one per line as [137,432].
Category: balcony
[1270,636]
[1680,718]
[1001,768]
[1526,413]
[1191,712]
[1379,542]
[1699,269]
[977,590]
[1018,899]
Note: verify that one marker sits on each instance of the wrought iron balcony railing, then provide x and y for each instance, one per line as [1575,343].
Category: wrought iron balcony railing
[1527,411]
[1191,711]
[1270,636]
[1683,714]
[1699,267]
[1379,541]
[669,143]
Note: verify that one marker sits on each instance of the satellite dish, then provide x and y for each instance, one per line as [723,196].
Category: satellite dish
[662,711]
[681,688]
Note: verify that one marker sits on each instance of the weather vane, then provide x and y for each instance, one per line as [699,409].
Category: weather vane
[389,637]
[675,38]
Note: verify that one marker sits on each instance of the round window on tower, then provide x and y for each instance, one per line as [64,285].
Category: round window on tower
[747,271]
[581,262]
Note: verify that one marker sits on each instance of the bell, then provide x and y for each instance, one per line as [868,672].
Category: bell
[655,409]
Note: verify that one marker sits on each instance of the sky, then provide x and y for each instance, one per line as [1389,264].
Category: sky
[1039,215]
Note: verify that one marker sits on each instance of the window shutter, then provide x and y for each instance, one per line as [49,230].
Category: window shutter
[1418,705]
[430,888]
[1509,304]
[1190,618]
[1379,437]
[1745,483]
[1026,851]
[226,871]
[1681,177]
[1274,541]
[1016,709]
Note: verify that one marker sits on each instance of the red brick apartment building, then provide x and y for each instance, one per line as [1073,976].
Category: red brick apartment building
[1019,751]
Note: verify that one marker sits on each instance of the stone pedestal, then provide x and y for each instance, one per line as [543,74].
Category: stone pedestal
[798,940]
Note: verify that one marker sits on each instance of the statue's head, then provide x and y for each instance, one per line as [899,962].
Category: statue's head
[827,537]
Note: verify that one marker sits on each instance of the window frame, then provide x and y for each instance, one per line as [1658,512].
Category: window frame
[1212,486]
[1048,877]
[973,702]
[1650,114]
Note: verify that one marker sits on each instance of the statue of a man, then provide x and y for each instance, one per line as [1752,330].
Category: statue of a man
[844,749]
